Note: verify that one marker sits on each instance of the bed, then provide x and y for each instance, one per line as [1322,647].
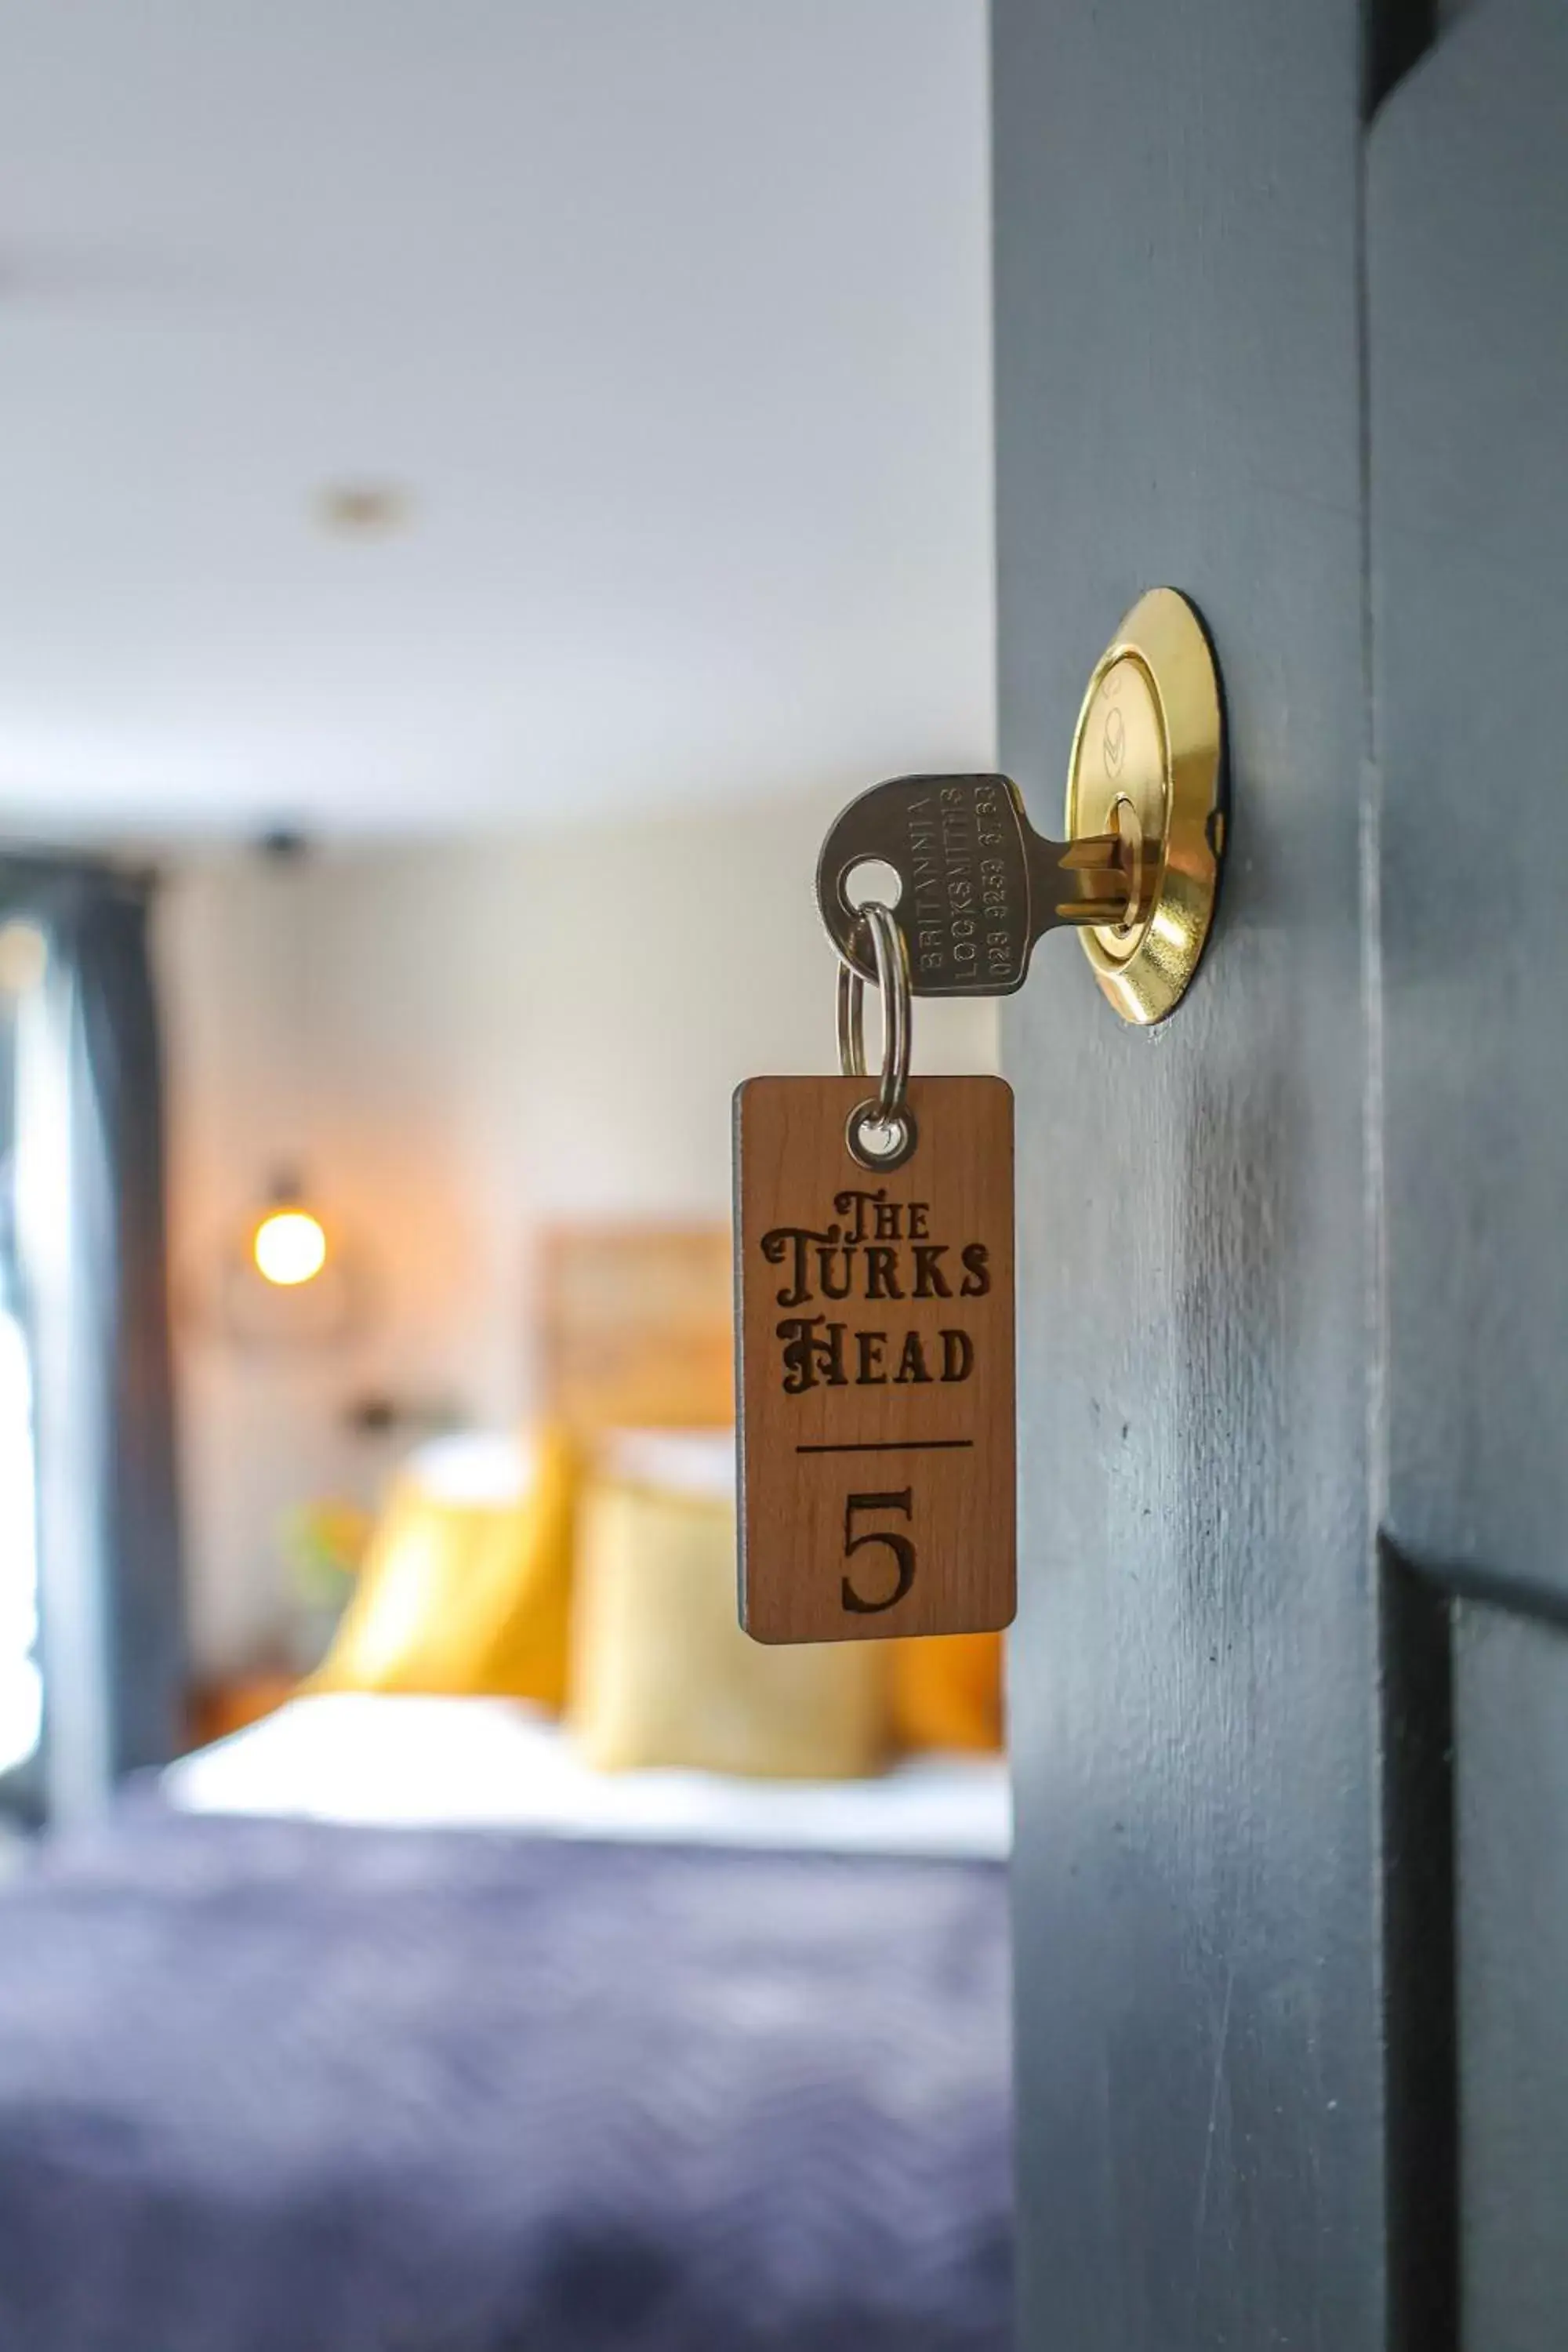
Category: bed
[387,2026]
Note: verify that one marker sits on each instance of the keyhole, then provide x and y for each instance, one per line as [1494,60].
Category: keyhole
[1125,817]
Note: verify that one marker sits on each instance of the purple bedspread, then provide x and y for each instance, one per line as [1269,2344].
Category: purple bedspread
[280,2087]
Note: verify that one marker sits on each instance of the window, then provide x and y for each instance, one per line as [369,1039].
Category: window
[22,954]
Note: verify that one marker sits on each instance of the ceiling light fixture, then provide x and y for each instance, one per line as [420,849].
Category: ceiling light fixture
[365,510]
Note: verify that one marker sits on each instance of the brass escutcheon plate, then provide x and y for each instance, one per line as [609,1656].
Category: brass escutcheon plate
[1148,760]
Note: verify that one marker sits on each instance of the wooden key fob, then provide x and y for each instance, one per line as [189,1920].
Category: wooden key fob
[875,1364]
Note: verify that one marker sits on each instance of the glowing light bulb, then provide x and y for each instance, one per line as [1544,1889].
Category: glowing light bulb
[289,1247]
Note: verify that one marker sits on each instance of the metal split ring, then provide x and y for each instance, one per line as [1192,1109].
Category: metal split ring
[886,1116]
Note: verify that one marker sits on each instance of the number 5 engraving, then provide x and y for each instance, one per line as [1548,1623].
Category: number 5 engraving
[901,1547]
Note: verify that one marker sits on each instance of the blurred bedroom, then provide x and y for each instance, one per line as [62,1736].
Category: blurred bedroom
[480,485]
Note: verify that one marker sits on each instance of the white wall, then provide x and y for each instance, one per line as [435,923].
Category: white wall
[460,1043]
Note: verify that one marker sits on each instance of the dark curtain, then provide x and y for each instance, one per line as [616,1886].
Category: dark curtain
[109,1573]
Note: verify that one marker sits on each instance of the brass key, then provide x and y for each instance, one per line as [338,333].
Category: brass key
[978,885]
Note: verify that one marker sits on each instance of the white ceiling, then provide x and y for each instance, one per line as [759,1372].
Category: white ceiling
[671,316]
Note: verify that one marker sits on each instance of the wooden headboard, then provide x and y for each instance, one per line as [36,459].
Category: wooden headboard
[638,1327]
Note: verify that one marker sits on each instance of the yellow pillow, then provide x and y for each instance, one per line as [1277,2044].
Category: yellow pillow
[947,1691]
[662,1675]
[465,1598]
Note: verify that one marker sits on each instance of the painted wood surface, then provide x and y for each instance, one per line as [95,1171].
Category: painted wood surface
[1468,331]
[1468,265]
[1194,1671]
[1510,1705]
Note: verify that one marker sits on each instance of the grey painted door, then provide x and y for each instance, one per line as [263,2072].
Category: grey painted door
[1281,318]
[1468,278]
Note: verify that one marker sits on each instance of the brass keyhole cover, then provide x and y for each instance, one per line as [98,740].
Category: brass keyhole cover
[1148,761]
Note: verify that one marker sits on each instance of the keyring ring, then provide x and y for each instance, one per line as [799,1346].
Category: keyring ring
[888,1113]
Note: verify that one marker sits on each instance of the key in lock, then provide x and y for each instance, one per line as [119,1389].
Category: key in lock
[977,885]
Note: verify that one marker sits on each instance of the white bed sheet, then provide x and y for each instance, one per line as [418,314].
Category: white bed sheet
[495,1763]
